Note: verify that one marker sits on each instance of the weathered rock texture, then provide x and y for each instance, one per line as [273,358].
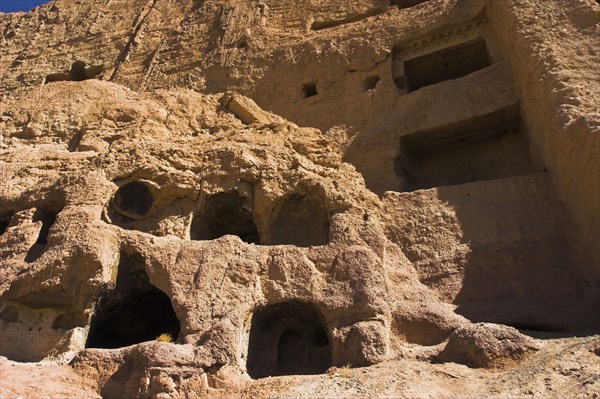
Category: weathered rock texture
[294,188]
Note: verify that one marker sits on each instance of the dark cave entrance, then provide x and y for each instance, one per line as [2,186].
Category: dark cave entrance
[223,214]
[134,311]
[301,221]
[77,73]
[5,222]
[288,339]
[133,200]
[309,89]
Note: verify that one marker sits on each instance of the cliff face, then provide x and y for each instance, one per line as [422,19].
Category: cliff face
[295,188]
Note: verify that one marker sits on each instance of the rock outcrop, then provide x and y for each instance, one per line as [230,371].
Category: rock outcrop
[298,190]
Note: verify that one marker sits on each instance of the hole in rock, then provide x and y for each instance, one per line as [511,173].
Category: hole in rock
[74,142]
[48,218]
[309,89]
[4,223]
[223,214]
[134,311]
[406,3]
[133,199]
[242,43]
[370,82]
[301,221]
[450,63]
[483,148]
[288,339]
[77,73]
[10,314]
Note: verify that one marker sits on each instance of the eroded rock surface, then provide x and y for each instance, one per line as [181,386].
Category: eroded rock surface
[309,199]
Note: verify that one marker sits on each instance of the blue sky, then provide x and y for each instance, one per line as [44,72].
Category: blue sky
[19,5]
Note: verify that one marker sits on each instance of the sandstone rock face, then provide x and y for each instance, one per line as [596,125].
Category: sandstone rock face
[372,198]
[487,345]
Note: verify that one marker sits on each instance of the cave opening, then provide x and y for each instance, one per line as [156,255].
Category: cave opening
[488,147]
[48,218]
[442,65]
[301,221]
[288,338]
[5,222]
[225,214]
[370,82]
[133,200]
[309,89]
[134,311]
[77,73]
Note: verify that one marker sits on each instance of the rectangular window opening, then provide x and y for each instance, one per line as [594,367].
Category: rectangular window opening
[488,147]
[447,64]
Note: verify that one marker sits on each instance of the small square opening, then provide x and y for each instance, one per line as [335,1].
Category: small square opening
[309,89]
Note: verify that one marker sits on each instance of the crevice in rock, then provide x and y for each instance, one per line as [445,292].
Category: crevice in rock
[320,25]
[48,218]
[288,338]
[75,140]
[406,3]
[537,327]
[5,222]
[134,311]
[370,82]
[133,39]
[224,214]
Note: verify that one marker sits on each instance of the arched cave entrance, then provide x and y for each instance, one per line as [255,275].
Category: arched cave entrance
[223,214]
[134,311]
[288,339]
[301,221]
[133,200]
